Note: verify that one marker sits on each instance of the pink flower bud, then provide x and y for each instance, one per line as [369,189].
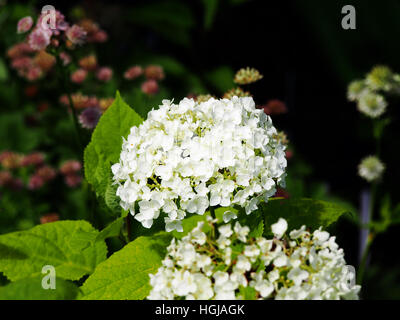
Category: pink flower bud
[65,57]
[89,117]
[24,24]
[50,217]
[79,76]
[46,173]
[104,74]
[33,159]
[34,73]
[154,72]
[100,36]
[72,180]
[35,182]
[70,167]
[76,34]
[133,72]
[149,87]
[274,107]
[5,178]
[88,63]
[282,193]
[289,154]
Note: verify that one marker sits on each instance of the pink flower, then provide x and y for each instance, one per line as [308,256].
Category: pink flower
[50,217]
[10,160]
[289,154]
[5,178]
[65,57]
[88,63]
[33,159]
[154,72]
[89,117]
[39,39]
[72,180]
[24,24]
[76,34]
[34,73]
[79,76]
[100,36]
[133,72]
[104,74]
[46,173]
[150,87]
[19,50]
[35,182]
[22,63]
[282,193]
[274,107]
[70,167]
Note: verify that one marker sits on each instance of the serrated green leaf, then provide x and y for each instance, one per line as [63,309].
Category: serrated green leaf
[112,230]
[31,289]
[110,197]
[106,143]
[298,212]
[254,220]
[125,275]
[69,246]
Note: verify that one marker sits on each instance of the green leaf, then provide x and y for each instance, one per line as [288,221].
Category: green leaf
[106,143]
[298,212]
[173,20]
[112,230]
[248,293]
[31,289]
[254,220]
[3,71]
[188,224]
[125,275]
[110,197]
[69,246]
[221,78]
[210,10]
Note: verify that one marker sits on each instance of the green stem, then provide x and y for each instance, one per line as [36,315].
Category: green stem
[215,233]
[212,212]
[128,227]
[66,85]
[364,259]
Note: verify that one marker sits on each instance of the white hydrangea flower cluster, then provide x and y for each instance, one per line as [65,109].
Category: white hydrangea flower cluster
[368,92]
[297,266]
[192,155]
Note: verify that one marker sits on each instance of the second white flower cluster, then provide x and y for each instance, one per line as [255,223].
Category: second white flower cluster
[301,265]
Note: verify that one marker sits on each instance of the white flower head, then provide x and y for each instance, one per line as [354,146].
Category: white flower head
[192,155]
[371,168]
[371,104]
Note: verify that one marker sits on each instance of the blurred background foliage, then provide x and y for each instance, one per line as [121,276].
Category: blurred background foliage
[307,60]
